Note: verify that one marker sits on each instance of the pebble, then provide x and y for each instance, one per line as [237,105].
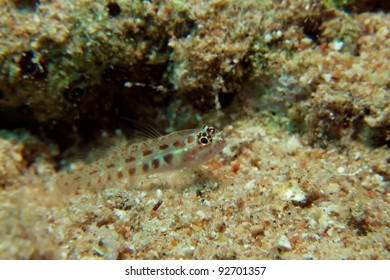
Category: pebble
[250,185]
[257,230]
[284,243]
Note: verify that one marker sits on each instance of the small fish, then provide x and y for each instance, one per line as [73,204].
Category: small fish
[181,149]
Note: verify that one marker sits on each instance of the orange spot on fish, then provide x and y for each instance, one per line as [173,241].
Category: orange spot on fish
[168,158]
[156,163]
[129,159]
[131,171]
[147,152]
[190,139]
[179,144]
[163,146]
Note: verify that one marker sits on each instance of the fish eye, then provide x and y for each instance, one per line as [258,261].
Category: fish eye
[204,140]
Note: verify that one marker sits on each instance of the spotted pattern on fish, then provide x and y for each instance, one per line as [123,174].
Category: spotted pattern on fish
[186,148]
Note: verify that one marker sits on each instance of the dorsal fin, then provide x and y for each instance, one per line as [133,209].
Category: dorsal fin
[140,129]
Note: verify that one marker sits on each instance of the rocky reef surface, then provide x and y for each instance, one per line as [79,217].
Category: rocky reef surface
[300,89]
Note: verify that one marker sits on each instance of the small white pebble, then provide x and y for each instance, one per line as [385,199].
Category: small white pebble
[295,194]
[341,169]
[284,243]
[201,214]
[292,145]
[327,77]
[330,232]
[189,251]
[323,222]
[373,181]
[142,194]
[333,188]
[357,156]
[279,34]
[257,230]
[306,41]
[313,223]
[250,185]
[206,202]
[247,211]
[267,38]
[158,193]
[98,252]
[337,45]
[119,213]
[308,256]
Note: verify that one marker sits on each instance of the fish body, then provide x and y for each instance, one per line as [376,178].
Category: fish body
[181,149]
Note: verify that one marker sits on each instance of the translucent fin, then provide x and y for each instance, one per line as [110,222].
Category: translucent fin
[89,153]
[141,130]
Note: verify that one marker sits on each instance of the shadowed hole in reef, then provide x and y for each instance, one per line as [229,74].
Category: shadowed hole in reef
[184,26]
[147,75]
[17,117]
[101,109]
[364,6]
[113,9]
[311,26]
[29,5]
[91,109]
[372,136]
[226,99]
[30,68]
[105,108]
[360,6]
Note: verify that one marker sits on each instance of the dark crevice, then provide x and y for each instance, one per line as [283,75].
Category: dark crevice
[28,5]
[373,6]
[31,68]
[114,9]
[311,26]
